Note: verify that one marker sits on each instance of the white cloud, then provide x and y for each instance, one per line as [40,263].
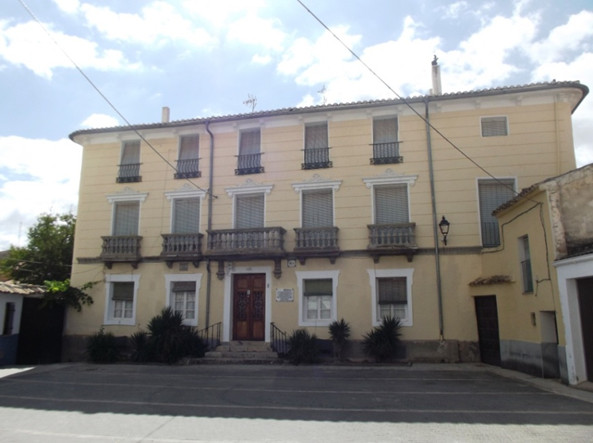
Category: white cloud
[253,30]
[454,10]
[27,44]
[99,121]
[68,6]
[37,176]
[259,59]
[221,12]
[158,23]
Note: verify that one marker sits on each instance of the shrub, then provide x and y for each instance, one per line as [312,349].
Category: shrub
[302,347]
[141,347]
[339,332]
[102,347]
[382,342]
[170,339]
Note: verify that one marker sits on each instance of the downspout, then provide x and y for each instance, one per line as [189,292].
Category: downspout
[210,201]
[435,232]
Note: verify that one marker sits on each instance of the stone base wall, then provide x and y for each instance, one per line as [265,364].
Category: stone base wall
[539,359]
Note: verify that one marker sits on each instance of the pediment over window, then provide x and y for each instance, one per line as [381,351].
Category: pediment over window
[185,191]
[317,182]
[127,194]
[249,187]
[389,177]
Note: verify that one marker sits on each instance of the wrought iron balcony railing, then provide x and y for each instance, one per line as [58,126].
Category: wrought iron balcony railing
[316,158]
[386,153]
[402,235]
[188,168]
[129,173]
[249,164]
[246,241]
[121,248]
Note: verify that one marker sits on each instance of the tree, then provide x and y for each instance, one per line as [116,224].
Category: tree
[48,254]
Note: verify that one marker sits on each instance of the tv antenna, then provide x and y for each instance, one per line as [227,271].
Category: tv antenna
[251,101]
[322,93]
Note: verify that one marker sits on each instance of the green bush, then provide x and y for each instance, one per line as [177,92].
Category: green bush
[169,339]
[382,342]
[302,347]
[339,332]
[141,347]
[102,347]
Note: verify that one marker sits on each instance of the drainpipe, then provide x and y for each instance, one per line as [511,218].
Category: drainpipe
[435,232]
[210,201]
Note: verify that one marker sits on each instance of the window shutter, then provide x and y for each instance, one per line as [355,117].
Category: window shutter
[184,286]
[186,215]
[318,287]
[391,204]
[316,136]
[249,211]
[123,291]
[131,152]
[249,142]
[494,126]
[126,218]
[188,147]
[392,290]
[385,130]
[492,194]
[318,208]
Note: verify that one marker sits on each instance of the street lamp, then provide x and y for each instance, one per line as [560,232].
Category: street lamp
[444,227]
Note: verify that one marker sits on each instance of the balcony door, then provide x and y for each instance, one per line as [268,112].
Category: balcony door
[249,306]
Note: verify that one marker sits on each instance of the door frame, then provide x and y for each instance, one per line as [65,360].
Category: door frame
[227,314]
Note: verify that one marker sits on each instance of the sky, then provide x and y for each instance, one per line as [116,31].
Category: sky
[207,58]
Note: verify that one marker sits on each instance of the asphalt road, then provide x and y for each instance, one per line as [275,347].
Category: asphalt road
[129,403]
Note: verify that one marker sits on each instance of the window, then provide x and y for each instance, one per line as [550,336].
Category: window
[525,259]
[391,204]
[121,299]
[391,291]
[385,142]
[182,295]
[316,147]
[249,211]
[9,315]
[494,126]
[188,162]
[249,160]
[129,168]
[317,208]
[126,218]
[492,193]
[317,291]
[186,216]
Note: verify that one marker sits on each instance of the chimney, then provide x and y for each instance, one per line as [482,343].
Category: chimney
[436,77]
[165,114]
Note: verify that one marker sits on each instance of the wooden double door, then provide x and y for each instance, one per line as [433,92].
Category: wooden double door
[249,306]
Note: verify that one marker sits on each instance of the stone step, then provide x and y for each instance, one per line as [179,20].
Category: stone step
[242,355]
[244,346]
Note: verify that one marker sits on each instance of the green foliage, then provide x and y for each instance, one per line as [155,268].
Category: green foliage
[61,293]
[339,332]
[382,342]
[167,341]
[102,347]
[48,254]
[303,347]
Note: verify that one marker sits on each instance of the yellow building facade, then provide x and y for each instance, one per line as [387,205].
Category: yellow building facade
[297,217]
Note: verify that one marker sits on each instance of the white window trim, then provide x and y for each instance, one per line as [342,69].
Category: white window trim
[186,192]
[494,116]
[249,187]
[109,279]
[170,278]
[127,195]
[408,273]
[306,275]
[389,178]
[317,183]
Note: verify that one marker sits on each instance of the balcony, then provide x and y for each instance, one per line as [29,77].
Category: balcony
[182,247]
[188,168]
[392,239]
[121,249]
[248,243]
[316,158]
[129,173]
[249,164]
[316,242]
[386,153]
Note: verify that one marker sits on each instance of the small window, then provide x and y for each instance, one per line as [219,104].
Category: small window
[126,217]
[318,208]
[249,211]
[317,291]
[316,147]
[249,159]
[492,193]
[121,303]
[525,259]
[183,299]
[391,204]
[186,215]
[129,167]
[494,126]
[188,161]
[9,314]
[385,141]
[392,298]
